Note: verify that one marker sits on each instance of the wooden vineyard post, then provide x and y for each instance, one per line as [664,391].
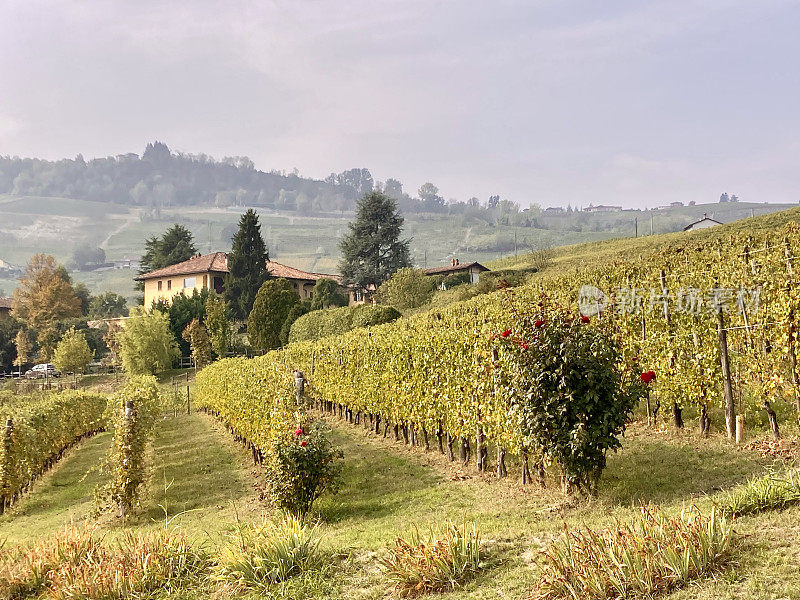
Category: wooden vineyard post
[730,407]
[5,466]
[739,429]
[501,463]
[793,363]
[129,433]
[677,418]
[773,420]
[479,449]
[299,387]
[647,396]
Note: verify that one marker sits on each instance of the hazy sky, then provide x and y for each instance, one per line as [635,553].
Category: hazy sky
[626,102]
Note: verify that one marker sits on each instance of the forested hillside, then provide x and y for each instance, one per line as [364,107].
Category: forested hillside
[160,179]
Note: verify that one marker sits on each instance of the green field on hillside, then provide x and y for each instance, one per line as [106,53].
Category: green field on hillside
[58,225]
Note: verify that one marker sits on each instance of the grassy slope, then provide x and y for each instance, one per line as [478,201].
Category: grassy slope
[597,252]
[389,487]
[208,483]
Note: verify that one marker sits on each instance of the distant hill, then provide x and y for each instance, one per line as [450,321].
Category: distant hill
[160,179]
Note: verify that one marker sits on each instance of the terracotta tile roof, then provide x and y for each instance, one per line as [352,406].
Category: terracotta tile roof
[218,263]
[5,302]
[278,270]
[454,268]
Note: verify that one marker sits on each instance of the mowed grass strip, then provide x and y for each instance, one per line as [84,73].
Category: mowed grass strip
[63,495]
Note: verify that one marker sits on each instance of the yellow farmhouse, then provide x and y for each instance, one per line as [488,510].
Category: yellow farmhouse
[208,271]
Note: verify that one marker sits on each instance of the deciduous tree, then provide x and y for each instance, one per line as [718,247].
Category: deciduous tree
[72,353]
[22,342]
[146,344]
[107,305]
[45,294]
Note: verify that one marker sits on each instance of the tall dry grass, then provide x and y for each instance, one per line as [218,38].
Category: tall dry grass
[440,559]
[651,554]
[77,563]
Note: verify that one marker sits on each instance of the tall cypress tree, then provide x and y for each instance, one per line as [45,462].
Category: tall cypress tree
[247,266]
[373,250]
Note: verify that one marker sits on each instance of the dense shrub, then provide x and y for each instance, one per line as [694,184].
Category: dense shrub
[327,293]
[322,323]
[274,301]
[573,390]
[651,554]
[407,288]
[439,560]
[298,310]
[303,466]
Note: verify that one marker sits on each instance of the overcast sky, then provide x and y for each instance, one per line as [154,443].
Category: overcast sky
[554,102]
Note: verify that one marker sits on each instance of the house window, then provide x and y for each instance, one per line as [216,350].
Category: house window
[159,285]
[169,284]
[357,297]
[189,282]
[205,281]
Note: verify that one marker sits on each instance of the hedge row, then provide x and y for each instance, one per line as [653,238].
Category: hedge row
[336,321]
[42,428]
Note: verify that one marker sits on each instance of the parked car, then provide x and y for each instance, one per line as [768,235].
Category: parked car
[41,371]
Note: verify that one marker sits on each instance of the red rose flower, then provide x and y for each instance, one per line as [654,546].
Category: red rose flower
[298,432]
[506,333]
[647,376]
[303,443]
[585,319]
[538,323]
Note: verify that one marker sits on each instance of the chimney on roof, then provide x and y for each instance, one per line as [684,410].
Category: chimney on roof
[705,215]
[456,262]
[452,262]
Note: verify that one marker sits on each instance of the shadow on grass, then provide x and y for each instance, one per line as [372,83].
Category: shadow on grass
[376,482]
[664,467]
